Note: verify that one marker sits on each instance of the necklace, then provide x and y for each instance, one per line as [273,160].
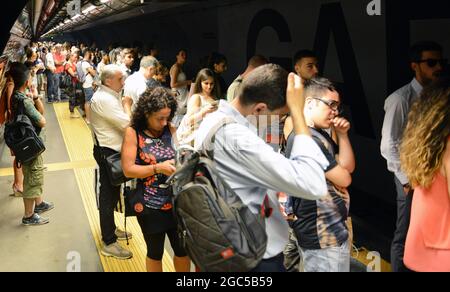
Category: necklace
[157,141]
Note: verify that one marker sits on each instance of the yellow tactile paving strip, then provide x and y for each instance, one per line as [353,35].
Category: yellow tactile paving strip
[79,145]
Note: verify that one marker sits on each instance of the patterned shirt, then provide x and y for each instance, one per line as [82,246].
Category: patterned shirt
[150,152]
[322,224]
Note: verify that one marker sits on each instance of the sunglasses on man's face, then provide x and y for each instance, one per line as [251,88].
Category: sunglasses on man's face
[433,62]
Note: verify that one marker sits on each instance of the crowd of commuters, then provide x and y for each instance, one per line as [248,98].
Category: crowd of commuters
[135,105]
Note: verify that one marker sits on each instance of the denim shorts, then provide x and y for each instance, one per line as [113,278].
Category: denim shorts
[88,93]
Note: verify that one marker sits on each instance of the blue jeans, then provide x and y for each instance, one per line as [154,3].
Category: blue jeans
[51,94]
[57,90]
[333,259]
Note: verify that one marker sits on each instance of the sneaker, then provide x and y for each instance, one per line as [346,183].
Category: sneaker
[121,235]
[116,251]
[34,220]
[43,207]
[73,115]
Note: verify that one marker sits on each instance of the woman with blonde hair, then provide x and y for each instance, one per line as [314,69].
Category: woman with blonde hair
[425,158]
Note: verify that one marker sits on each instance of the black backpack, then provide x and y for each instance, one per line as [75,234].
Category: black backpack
[22,137]
[218,231]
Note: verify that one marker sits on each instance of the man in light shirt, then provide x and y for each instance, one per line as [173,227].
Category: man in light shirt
[52,90]
[127,61]
[136,84]
[110,116]
[251,167]
[427,63]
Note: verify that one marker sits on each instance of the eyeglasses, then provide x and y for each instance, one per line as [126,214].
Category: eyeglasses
[433,62]
[334,105]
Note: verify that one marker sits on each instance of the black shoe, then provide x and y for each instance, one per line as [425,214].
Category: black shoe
[43,207]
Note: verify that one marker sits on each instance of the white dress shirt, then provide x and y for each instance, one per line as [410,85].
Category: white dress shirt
[108,119]
[253,169]
[397,107]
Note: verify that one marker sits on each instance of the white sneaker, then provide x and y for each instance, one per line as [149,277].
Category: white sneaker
[116,251]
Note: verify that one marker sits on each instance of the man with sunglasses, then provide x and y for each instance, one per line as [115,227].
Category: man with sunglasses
[427,63]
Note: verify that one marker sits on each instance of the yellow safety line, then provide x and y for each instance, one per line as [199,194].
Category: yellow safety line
[78,140]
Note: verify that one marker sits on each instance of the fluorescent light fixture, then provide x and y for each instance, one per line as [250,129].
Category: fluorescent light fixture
[89,9]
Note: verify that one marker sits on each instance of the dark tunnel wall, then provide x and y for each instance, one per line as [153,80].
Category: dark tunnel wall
[8,19]
[366,54]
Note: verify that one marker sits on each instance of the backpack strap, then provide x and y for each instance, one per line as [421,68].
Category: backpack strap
[208,144]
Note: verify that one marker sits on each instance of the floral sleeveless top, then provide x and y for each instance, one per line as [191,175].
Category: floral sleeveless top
[152,151]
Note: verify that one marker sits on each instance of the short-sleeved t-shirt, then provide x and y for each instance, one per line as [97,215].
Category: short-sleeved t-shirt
[89,80]
[322,224]
[30,110]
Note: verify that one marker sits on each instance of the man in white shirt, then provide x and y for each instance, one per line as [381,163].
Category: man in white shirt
[127,60]
[427,64]
[110,116]
[136,84]
[251,167]
[52,90]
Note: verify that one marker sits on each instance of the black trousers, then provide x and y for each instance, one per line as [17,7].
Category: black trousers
[109,197]
[404,203]
[271,265]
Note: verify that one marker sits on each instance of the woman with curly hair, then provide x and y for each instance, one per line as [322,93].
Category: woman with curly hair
[148,155]
[425,158]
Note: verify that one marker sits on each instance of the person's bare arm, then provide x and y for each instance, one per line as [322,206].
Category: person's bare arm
[128,156]
[174,71]
[288,127]
[194,111]
[346,157]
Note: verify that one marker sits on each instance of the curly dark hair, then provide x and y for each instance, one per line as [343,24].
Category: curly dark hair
[151,101]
